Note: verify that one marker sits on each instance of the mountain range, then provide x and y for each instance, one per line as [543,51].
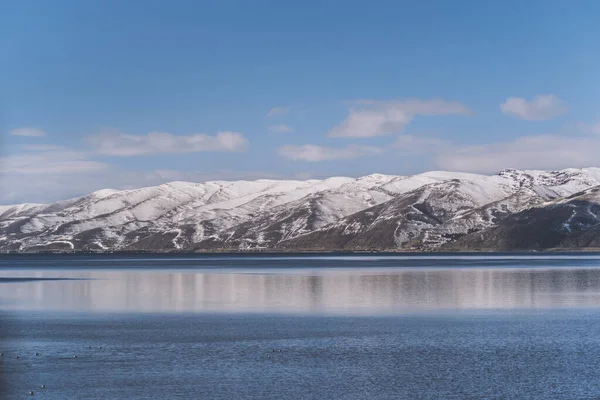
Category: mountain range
[432,211]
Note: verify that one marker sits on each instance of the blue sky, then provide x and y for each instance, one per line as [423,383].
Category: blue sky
[124,94]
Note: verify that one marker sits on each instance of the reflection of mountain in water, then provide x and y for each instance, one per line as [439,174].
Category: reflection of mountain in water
[357,292]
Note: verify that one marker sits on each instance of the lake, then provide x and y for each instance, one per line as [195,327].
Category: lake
[336,326]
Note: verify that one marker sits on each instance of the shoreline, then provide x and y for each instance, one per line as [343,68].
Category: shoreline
[273,252]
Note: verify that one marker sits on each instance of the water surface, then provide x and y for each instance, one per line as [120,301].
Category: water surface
[329,327]
[348,285]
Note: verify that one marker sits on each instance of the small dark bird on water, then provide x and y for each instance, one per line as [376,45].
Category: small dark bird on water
[17,357]
[75,356]
[37,354]
[31,393]
[43,386]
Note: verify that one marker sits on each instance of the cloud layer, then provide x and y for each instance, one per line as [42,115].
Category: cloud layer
[592,129]
[281,128]
[48,161]
[527,152]
[119,144]
[376,118]
[76,170]
[48,172]
[414,145]
[314,153]
[278,111]
[59,186]
[548,151]
[541,107]
[29,132]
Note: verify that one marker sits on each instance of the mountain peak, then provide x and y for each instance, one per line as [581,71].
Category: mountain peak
[422,211]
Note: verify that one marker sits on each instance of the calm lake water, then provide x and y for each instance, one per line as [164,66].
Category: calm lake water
[298,327]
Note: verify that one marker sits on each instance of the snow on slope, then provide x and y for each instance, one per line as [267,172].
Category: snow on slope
[558,183]
[439,212]
[571,222]
[19,209]
[162,207]
[264,212]
[530,189]
[441,202]
[318,210]
[274,193]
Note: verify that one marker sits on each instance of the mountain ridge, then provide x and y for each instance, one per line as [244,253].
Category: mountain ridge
[432,211]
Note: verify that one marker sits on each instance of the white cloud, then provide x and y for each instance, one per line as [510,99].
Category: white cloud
[376,118]
[46,173]
[592,129]
[41,147]
[118,144]
[62,161]
[220,175]
[550,151]
[281,128]
[546,152]
[304,175]
[278,111]
[29,132]
[314,153]
[412,145]
[527,152]
[48,188]
[541,107]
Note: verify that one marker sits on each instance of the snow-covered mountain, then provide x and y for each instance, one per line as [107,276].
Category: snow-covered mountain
[433,210]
